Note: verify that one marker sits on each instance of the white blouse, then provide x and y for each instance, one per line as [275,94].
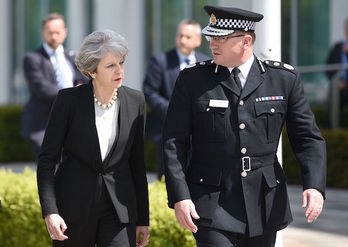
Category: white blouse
[106,121]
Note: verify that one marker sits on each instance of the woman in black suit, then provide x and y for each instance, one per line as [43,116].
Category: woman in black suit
[91,171]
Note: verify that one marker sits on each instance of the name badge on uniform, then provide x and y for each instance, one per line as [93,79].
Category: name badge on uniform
[218,103]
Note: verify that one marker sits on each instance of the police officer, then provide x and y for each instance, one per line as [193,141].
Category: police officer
[232,110]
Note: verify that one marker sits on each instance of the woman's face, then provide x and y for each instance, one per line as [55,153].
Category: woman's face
[110,71]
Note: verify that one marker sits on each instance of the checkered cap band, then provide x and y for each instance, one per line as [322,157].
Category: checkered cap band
[236,24]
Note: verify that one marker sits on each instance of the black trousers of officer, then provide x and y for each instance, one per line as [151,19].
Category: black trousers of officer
[103,229]
[209,237]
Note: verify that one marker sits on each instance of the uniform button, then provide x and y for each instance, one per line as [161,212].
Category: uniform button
[272,110]
[208,109]
[242,126]
[201,180]
[241,102]
[243,150]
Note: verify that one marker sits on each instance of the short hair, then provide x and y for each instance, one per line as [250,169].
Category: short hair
[189,22]
[51,17]
[251,33]
[95,46]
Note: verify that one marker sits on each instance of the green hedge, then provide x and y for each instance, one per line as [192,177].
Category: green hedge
[13,148]
[21,223]
[164,229]
[337,159]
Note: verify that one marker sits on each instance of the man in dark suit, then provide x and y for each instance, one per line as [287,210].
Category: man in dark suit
[339,55]
[160,78]
[47,70]
[233,193]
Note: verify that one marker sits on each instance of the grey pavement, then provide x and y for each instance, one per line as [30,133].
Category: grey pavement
[329,230]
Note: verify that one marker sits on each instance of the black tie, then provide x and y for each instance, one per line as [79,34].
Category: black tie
[235,73]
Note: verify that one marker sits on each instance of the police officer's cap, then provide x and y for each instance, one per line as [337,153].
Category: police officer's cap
[224,21]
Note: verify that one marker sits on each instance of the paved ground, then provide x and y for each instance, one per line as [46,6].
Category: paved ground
[330,230]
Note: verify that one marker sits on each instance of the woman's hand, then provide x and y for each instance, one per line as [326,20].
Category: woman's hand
[56,227]
[143,235]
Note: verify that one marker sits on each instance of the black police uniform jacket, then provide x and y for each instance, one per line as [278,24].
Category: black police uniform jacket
[218,136]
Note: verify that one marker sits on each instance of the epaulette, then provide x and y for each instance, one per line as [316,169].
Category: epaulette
[198,65]
[279,65]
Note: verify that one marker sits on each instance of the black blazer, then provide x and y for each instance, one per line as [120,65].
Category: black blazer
[41,80]
[158,86]
[239,127]
[71,140]
[335,56]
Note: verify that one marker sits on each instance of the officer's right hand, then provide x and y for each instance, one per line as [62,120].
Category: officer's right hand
[56,227]
[184,211]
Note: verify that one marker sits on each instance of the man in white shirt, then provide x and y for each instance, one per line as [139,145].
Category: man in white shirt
[47,70]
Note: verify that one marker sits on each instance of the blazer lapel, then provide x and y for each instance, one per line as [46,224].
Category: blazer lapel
[253,81]
[173,67]
[49,64]
[122,130]
[91,122]
[227,81]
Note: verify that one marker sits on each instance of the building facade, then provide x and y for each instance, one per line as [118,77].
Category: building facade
[309,28]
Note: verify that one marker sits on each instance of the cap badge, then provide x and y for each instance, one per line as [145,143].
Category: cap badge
[212,19]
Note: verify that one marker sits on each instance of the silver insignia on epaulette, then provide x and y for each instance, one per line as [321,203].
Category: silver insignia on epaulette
[202,63]
[288,66]
[190,66]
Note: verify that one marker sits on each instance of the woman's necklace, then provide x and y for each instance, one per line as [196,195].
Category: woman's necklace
[108,105]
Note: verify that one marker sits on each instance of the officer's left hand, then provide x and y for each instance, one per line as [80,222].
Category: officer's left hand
[313,200]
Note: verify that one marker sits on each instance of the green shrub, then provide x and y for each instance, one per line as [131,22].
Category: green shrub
[164,229]
[12,146]
[21,223]
[337,159]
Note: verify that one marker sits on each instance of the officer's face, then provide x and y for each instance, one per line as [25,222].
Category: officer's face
[110,71]
[54,33]
[188,38]
[230,51]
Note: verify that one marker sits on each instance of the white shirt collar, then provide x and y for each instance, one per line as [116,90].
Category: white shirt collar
[182,57]
[244,68]
[50,51]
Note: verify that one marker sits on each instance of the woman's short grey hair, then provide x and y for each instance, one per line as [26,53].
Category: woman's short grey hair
[95,46]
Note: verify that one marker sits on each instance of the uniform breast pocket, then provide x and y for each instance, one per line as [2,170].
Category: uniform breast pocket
[270,115]
[210,122]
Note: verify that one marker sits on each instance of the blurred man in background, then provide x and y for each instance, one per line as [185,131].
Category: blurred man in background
[339,54]
[160,78]
[47,70]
